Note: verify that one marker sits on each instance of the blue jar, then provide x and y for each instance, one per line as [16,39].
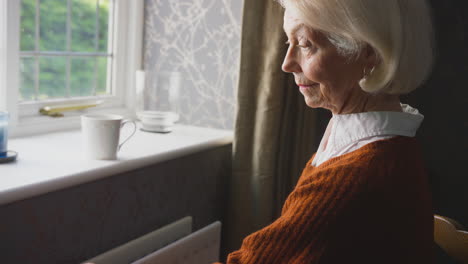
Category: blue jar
[4,117]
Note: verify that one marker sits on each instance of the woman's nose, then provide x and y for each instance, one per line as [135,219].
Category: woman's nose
[289,63]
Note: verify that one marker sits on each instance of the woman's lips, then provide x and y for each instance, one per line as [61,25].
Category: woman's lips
[306,87]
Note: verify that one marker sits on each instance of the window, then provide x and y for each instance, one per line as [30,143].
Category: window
[64,49]
[58,52]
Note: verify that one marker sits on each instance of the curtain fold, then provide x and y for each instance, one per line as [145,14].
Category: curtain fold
[275,132]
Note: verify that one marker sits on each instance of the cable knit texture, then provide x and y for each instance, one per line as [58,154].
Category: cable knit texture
[372,205]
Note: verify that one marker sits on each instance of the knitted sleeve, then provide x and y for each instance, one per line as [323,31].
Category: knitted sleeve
[300,234]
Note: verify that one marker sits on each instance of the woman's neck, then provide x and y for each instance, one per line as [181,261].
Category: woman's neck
[366,102]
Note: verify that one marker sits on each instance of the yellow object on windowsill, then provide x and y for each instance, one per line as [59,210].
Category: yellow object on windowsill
[56,110]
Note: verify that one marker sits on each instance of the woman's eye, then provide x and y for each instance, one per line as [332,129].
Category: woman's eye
[301,44]
[304,45]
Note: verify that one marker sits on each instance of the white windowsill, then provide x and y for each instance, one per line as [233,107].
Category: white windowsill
[56,161]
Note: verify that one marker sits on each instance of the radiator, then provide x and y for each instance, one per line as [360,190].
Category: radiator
[142,246]
[201,247]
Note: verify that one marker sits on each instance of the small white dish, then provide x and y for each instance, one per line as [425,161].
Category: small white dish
[157,121]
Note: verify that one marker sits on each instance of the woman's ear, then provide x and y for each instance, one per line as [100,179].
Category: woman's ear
[370,61]
[369,56]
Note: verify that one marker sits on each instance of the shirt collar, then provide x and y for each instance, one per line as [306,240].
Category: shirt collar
[350,128]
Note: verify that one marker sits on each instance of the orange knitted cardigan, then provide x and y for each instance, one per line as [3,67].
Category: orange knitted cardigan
[372,205]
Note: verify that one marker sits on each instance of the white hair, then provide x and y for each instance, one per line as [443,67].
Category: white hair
[399,32]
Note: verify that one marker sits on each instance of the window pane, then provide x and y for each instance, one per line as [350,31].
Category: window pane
[104,7]
[52,77]
[28,24]
[101,88]
[88,22]
[82,76]
[53,25]
[83,25]
[27,79]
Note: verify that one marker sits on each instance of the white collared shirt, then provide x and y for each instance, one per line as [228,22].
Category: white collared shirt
[350,132]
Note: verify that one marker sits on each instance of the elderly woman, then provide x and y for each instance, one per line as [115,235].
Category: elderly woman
[364,196]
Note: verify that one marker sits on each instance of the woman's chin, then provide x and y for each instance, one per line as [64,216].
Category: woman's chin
[313,101]
[312,96]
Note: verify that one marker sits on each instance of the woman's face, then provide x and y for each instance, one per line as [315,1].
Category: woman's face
[326,78]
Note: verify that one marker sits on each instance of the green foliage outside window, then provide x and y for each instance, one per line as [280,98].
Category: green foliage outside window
[85,72]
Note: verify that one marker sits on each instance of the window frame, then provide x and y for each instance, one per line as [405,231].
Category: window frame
[126,41]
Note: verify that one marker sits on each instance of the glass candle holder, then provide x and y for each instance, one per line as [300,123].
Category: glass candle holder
[158,102]
[163,93]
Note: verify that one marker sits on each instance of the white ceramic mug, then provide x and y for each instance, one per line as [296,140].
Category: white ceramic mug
[101,134]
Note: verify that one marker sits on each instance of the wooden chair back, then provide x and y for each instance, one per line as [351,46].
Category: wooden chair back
[451,237]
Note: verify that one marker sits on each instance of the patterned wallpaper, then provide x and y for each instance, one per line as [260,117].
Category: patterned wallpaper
[201,40]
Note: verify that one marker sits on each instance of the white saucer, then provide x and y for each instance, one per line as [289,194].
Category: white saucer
[10,156]
[156,128]
[157,121]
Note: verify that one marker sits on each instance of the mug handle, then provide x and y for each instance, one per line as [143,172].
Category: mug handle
[134,130]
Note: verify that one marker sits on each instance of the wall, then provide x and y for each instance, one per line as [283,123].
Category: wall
[201,39]
[444,102]
[75,224]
